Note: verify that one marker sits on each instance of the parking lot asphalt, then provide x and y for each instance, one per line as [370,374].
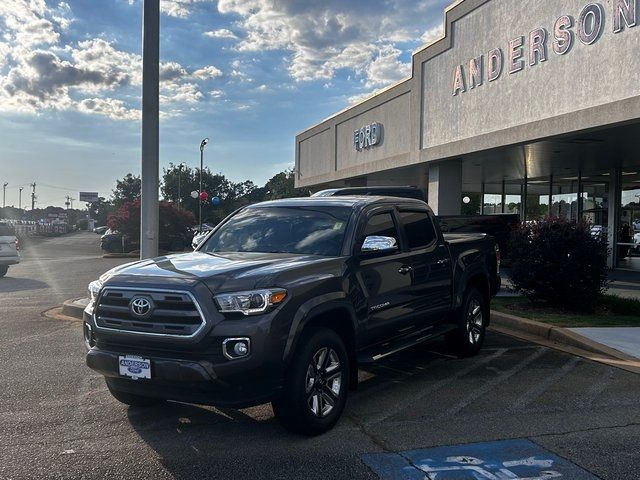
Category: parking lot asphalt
[57,420]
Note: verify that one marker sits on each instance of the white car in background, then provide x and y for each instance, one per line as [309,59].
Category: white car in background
[8,248]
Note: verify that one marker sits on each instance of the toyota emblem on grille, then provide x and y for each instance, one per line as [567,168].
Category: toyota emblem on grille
[141,307]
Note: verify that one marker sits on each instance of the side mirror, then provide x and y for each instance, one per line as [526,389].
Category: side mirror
[379,244]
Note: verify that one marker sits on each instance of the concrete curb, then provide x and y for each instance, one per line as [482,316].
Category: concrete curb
[74,307]
[558,336]
[120,255]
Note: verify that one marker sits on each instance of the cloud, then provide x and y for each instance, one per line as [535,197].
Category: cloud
[207,72]
[221,33]
[325,37]
[39,72]
[109,107]
[432,34]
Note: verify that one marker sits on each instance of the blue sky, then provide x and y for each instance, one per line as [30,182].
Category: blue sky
[249,74]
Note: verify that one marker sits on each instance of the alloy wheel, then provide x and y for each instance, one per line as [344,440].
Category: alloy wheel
[323,382]
[474,321]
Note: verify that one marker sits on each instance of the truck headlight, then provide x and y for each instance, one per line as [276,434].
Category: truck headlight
[94,290]
[253,302]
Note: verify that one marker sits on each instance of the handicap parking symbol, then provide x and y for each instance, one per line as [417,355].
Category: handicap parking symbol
[503,460]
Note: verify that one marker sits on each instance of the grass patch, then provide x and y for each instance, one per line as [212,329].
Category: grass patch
[611,311]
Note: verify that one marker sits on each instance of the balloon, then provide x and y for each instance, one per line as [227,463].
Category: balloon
[215,201]
[204,196]
[194,194]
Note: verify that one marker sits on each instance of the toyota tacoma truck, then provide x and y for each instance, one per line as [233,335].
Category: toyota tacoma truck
[284,300]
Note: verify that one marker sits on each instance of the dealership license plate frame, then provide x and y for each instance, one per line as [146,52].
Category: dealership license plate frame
[134,367]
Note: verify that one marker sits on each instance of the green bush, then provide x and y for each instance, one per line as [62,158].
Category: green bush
[559,262]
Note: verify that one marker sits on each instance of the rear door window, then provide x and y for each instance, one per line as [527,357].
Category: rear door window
[381,224]
[419,229]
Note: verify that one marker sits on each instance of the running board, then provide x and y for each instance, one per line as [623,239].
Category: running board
[378,352]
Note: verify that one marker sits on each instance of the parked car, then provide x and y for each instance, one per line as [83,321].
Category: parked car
[9,247]
[283,302]
[101,230]
[112,242]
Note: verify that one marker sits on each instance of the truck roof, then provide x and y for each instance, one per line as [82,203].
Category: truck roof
[338,201]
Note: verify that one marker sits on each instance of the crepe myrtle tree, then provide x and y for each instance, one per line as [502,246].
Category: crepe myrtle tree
[559,262]
[173,222]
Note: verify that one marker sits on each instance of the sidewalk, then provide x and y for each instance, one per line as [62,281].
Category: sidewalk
[624,339]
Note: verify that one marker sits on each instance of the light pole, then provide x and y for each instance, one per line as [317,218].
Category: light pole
[20,198]
[202,145]
[4,194]
[180,167]
[149,211]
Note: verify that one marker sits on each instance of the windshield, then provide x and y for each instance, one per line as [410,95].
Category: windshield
[304,230]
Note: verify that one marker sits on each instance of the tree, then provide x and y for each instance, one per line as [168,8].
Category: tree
[127,190]
[282,184]
[101,210]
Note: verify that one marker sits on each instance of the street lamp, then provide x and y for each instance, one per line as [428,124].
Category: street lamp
[180,167]
[4,194]
[20,198]
[203,143]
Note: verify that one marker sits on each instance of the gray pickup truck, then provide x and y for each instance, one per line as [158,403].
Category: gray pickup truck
[284,300]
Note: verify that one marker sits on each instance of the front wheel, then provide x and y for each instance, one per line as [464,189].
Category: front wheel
[132,399]
[3,270]
[472,319]
[316,385]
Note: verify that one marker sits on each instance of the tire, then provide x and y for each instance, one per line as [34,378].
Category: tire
[3,270]
[472,319]
[309,404]
[132,399]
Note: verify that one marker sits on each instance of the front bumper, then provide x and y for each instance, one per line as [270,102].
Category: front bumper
[188,381]
[197,371]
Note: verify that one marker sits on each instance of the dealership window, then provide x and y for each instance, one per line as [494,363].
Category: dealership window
[492,199]
[564,200]
[537,198]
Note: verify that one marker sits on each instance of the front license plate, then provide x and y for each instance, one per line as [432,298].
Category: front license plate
[134,367]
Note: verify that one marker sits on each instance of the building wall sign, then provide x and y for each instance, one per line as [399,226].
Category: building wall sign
[534,48]
[367,136]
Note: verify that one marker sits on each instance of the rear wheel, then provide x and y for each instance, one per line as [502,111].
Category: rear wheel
[132,399]
[468,338]
[3,270]
[316,385]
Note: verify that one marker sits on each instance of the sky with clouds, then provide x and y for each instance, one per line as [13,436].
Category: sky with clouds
[249,74]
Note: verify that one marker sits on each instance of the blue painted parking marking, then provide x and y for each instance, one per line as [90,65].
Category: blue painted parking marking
[503,460]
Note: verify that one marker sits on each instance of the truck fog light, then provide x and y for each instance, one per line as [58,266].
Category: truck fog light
[240,349]
[233,348]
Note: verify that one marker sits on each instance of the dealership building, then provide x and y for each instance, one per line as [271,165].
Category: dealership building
[529,107]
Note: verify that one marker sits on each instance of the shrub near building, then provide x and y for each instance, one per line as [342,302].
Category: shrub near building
[559,262]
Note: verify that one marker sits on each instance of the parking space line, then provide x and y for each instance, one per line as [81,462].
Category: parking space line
[541,387]
[479,392]
[435,387]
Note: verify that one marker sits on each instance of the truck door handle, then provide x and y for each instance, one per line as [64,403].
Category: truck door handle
[403,270]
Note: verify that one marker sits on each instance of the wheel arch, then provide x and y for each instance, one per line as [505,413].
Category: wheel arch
[337,315]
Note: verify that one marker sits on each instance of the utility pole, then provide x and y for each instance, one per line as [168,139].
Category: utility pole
[150,178]
[180,167]
[33,196]
[20,198]
[4,194]
[68,201]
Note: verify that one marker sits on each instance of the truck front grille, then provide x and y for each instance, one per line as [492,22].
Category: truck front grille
[174,313]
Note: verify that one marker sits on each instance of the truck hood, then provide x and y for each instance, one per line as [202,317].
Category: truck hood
[220,270]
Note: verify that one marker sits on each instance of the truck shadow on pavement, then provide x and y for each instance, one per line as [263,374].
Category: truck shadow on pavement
[12,284]
[205,442]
